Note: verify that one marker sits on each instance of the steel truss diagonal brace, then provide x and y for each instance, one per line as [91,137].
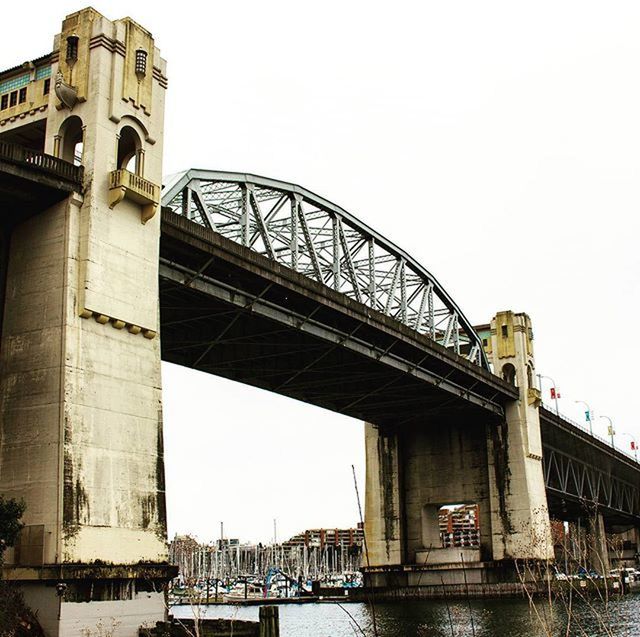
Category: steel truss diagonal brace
[321,240]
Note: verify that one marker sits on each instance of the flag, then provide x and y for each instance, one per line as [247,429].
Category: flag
[553,393]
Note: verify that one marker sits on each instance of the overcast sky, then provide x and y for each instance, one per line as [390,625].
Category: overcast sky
[497,142]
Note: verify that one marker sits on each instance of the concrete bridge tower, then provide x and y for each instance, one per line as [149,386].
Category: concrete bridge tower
[495,464]
[80,390]
[519,495]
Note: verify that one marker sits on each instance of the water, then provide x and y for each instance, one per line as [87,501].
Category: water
[491,618]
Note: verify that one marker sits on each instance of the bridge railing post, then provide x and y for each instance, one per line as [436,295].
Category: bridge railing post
[269,621]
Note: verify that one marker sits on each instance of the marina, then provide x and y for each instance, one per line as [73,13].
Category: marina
[314,563]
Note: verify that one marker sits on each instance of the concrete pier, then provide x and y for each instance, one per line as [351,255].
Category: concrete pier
[495,464]
[80,390]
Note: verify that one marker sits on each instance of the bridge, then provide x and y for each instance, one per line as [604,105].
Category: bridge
[105,274]
[266,283]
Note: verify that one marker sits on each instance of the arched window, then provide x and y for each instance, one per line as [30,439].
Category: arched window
[130,151]
[71,140]
[509,373]
[530,384]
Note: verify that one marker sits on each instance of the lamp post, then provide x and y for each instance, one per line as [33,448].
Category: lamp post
[587,414]
[634,445]
[611,430]
[555,390]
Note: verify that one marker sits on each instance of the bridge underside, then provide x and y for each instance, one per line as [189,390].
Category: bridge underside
[569,508]
[26,189]
[30,182]
[228,311]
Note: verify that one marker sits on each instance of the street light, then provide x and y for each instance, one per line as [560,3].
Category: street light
[555,390]
[587,414]
[611,430]
[634,445]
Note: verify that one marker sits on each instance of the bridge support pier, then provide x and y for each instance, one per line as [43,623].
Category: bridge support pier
[496,465]
[410,476]
[597,545]
[384,519]
[80,391]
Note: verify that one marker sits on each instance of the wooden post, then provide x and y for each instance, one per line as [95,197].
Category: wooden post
[269,621]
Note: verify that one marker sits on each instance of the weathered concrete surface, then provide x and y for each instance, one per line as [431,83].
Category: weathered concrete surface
[444,465]
[413,471]
[597,544]
[81,401]
[520,516]
[80,389]
[124,617]
[451,555]
[59,617]
[32,384]
[383,494]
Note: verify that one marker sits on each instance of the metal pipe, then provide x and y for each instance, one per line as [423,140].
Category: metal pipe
[611,430]
[555,390]
[588,414]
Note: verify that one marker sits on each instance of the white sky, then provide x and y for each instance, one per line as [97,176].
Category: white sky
[497,142]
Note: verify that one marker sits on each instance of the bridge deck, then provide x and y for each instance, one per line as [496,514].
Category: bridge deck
[229,311]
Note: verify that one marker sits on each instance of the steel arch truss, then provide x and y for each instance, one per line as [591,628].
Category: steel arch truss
[592,486]
[320,240]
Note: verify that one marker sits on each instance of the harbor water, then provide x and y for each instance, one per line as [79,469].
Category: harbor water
[620,617]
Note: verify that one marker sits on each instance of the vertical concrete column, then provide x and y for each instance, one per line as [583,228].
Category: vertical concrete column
[597,545]
[520,518]
[383,497]
[430,526]
[80,392]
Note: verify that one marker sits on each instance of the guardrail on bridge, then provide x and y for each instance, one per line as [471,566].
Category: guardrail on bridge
[552,409]
[55,166]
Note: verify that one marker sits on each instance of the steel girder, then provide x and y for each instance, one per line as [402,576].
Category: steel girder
[592,486]
[320,240]
[333,337]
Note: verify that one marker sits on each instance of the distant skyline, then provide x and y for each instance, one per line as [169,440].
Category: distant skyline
[496,142]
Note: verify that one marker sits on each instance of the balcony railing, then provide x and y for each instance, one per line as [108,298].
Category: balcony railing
[55,166]
[126,185]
